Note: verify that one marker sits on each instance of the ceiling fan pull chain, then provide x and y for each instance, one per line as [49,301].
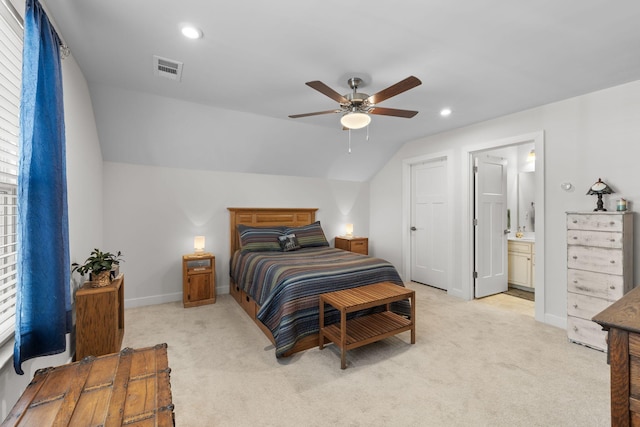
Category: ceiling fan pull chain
[367,139]
[349,141]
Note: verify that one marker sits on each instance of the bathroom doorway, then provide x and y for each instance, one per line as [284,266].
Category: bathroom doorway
[517,234]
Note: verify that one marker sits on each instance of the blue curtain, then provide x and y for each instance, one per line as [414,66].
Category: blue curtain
[43,310]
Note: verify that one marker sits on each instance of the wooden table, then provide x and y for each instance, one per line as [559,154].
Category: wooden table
[128,388]
[359,331]
[622,320]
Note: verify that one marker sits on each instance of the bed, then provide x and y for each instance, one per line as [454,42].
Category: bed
[278,284]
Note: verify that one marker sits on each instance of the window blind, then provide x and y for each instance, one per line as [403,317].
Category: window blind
[10,78]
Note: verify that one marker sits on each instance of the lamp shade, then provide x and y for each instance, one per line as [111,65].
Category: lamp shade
[599,188]
[198,244]
[349,230]
[355,120]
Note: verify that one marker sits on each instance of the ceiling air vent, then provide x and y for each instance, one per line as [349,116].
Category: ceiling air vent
[167,68]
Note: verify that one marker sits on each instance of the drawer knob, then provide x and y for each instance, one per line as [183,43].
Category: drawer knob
[612,223]
[613,240]
[612,262]
[612,287]
[575,329]
[575,257]
[575,221]
[575,305]
[575,237]
[575,281]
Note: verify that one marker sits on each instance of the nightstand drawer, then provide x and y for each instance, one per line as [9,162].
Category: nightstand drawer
[358,245]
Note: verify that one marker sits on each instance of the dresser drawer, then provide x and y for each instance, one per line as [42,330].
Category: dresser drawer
[584,306]
[586,332]
[597,222]
[595,259]
[606,286]
[601,239]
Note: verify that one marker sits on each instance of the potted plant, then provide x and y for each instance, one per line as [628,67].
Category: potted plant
[99,266]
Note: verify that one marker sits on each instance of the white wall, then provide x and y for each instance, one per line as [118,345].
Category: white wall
[586,138]
[84,183]
[151,214]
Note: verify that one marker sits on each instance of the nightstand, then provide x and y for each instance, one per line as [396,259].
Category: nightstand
[198,279]
[359,245]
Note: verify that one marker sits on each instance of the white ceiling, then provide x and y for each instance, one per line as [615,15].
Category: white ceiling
[483,59]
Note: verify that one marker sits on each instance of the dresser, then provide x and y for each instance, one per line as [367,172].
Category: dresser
[599,270]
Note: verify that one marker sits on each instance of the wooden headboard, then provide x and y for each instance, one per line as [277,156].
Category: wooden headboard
[264,217]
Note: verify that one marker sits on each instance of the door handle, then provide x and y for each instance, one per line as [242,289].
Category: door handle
[413,229]
[507,231]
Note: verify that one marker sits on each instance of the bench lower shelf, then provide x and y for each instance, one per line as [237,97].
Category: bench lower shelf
[368,329]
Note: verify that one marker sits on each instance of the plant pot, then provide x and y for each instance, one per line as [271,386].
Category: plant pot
[101,279]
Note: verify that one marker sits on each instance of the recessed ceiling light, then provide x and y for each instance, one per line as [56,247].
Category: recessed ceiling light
[445,112]
[191,32]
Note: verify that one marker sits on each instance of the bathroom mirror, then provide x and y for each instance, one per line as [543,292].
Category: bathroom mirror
[526,201]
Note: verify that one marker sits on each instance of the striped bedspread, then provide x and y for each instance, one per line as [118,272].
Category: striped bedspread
[286,286]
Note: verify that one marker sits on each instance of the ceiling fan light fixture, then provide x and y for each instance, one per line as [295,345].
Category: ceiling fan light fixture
[355,120]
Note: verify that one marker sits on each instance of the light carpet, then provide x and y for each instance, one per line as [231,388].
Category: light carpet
[473,364]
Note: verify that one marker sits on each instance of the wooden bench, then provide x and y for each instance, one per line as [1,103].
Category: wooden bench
[359,331]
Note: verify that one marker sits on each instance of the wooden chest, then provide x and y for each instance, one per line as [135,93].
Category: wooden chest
[128,388]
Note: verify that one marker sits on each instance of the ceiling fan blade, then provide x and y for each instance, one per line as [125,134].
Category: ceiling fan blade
[326,90]
[396,89]
[317,113]
[393,112]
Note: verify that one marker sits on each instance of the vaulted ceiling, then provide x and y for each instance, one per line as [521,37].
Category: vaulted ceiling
[240,81]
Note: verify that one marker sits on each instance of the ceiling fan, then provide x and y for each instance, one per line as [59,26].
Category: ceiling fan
[356,106]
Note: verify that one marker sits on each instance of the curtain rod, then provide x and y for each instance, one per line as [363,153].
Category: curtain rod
[63,45]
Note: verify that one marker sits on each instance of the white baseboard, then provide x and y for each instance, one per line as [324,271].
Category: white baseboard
[557,321]
[163,299]
[152,300]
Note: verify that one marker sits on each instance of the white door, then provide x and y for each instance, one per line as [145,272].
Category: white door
[429,219]
[491,264]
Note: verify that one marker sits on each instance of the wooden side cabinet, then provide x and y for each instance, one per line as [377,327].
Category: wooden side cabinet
[99,319]
[198,280]
[359,245]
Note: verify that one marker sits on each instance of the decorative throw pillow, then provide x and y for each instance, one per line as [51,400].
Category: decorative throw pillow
[309,236]
[289,242]
[254,239]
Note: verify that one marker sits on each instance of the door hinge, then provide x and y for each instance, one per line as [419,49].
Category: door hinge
[475,222]
[475,274]
[475,169]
